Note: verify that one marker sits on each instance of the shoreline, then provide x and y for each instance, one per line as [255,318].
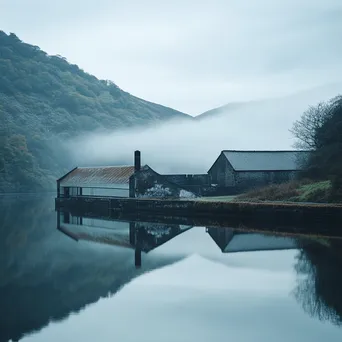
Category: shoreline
[12,194]
[314,218]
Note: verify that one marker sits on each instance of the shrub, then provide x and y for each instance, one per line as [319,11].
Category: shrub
[274,192]
[296,191]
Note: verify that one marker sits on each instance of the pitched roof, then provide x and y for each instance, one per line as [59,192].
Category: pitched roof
[80,232]
[98,176]
[233,241]
[258,242]
[266,160]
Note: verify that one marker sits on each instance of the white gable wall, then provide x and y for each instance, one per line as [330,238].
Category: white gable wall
[119,192]
[114,190]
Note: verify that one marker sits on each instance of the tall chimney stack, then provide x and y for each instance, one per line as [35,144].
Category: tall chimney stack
[137,161]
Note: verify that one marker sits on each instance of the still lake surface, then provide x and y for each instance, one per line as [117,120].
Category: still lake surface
[82,282]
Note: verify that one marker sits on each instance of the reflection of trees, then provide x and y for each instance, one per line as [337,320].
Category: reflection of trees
[319,286]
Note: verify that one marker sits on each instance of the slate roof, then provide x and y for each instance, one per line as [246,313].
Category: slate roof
[98,176]
[233,241]
[266,160]
[258,242]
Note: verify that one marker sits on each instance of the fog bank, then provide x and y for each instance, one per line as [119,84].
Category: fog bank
[191,147]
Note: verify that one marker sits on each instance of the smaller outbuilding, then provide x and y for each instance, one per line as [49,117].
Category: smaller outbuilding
[240,170]
[96,181]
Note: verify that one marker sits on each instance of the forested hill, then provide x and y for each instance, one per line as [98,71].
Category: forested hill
[44,100]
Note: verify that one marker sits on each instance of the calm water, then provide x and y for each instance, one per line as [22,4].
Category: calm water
[96,280]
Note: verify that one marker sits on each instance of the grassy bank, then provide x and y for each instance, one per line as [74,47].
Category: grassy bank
[295,191]
[216,199]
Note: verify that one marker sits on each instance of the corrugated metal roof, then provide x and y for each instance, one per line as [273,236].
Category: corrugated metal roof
[97,234]
[266,160]
[109,240]
[98,176]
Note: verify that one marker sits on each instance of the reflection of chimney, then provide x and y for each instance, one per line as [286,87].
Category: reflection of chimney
[137,160]
[58,219]
[138,246]
[137,258]
[132,233]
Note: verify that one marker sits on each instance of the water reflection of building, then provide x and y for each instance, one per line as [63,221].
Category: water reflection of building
[140,236]
[230,241]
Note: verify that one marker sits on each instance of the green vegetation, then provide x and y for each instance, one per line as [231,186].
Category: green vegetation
[216,199]
[319,129]
[44,100]
[295,191]
[314,192]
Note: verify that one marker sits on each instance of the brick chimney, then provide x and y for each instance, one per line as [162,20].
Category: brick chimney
[137,161]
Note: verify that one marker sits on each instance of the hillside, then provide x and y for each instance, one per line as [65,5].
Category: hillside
[302,98]
[45,100]
[230,107]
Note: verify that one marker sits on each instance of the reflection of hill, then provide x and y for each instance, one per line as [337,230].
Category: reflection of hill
[45,276]
[319,290]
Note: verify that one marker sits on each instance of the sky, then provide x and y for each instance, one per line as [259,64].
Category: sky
[190,55]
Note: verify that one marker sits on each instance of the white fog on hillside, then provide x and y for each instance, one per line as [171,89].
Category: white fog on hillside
[193,146]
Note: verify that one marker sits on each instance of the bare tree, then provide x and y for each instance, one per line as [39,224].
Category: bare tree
[306,127]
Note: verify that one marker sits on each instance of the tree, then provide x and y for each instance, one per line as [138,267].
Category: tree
[328,156]
[330,132]
[320,129]
[305,129]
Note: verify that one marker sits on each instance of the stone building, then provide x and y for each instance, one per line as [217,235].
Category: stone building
[240,170]
[199,184]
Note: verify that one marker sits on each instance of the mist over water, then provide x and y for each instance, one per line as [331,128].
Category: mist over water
[191,146]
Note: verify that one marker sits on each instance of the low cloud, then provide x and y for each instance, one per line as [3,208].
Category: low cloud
[192,146]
